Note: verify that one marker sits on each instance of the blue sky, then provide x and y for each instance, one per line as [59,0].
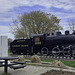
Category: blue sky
[10,9]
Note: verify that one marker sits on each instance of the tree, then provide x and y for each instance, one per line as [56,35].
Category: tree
[72,25]
[9,41]
[35,22]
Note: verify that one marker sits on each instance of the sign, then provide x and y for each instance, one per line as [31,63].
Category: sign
[3,46]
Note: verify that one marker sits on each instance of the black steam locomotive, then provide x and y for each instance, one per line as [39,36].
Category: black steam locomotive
[45,44]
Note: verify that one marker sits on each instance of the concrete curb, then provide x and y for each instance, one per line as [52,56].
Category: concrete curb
[68,69]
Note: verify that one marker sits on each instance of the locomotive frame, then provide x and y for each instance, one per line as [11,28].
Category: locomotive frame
[45,44]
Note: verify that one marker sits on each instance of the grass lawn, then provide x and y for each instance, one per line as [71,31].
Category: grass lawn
[9,51]
[68,63]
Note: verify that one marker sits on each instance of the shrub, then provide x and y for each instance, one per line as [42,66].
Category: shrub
[35,59]
[21,58]
[58,64]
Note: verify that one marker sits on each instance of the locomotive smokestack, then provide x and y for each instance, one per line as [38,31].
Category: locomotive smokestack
[67,32]
[73,32]
[52,34]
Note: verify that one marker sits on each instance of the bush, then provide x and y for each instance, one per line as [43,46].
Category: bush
[21,58]
[35,59]
[58,64]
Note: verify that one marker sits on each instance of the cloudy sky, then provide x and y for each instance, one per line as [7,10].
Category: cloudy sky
[10,9]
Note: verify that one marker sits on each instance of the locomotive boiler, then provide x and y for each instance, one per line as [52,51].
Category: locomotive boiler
[45,44]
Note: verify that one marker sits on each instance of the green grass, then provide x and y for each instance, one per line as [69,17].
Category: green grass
[3,73]
[9,51]
[6,74]
[46,60]
[68,63]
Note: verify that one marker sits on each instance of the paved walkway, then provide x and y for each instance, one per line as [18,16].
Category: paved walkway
[32,70]
[28,70]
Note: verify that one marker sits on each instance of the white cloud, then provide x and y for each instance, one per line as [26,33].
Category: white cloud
[62,15]
[4,31]
[10,4]
[7,5]
[65,4]
[4,19]
[65,27]
[7,16]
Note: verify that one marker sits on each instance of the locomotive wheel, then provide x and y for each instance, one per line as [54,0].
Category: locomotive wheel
[44,51]
[19,53]
[66,51]
[14,52]
[56,51]
[73,52]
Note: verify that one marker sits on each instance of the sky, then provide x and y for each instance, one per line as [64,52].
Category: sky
[10,9]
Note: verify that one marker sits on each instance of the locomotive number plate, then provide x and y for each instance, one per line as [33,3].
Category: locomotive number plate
[37,43]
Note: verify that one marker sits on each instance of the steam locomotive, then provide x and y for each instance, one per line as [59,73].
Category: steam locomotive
[45,44]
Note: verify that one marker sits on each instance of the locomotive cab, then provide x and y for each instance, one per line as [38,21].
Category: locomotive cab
[38,41]
[39,38]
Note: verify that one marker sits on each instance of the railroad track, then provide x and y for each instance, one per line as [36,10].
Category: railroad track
[52,57]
